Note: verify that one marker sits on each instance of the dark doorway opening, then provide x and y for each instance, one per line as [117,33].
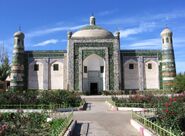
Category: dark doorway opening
[94,88]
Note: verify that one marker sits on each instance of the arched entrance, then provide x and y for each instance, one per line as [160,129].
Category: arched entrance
[93,74]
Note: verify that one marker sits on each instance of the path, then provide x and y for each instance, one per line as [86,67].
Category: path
[98,120]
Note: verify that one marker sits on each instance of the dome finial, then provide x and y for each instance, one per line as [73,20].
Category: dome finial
[92,20]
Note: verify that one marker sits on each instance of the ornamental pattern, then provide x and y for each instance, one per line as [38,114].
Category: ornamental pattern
[86,53]
[91,27]
[49,55]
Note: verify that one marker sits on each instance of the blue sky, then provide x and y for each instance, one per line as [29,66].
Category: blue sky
[46,22]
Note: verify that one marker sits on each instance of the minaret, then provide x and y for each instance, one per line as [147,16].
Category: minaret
[17,68]
[168,59]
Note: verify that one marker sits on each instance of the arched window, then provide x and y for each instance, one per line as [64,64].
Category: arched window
[36,67]
[167,40]
[163,40]
[131,66]
[101,69]
[149,65]
[85,69]
[18,41]
[55,67]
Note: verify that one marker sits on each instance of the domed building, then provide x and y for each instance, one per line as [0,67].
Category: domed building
[93,63]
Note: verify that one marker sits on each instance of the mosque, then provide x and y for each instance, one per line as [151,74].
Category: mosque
[93,62]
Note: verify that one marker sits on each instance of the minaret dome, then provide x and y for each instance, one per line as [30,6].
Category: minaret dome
[19,34]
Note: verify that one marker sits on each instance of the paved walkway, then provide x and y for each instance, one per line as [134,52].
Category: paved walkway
[98,120]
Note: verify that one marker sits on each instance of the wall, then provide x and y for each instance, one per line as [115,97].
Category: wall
[152,75]
[56,77]
[131,77]
[35,78]
[46,77]
[93,75]
[141,77]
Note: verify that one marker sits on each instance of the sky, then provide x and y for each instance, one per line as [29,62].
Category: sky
[46,22]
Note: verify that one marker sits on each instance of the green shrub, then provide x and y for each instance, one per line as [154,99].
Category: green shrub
[24,124]
[171,113]
[179,83]
[35,97]
[29,124]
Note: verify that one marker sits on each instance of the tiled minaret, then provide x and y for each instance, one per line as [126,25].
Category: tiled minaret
[17,68]
[168,59]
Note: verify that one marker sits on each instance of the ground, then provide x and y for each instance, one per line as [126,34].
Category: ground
[99,120]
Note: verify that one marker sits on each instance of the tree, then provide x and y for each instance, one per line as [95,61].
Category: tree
[180,82]
[4,64]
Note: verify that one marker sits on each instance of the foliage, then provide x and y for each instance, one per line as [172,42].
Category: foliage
[25,124]
[34,97]
[29,124]
[67,98]
[180,82]
[111,92]
[136,101]
[4,68]
[171,113]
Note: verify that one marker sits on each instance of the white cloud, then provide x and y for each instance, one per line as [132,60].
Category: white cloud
[47,42]
[52,30]
[166,16]
[145,27]
[148,42]
[169,15]
[156,43]
[63,40]
[107,12]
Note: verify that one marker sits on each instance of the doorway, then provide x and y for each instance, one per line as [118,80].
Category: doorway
[94,88]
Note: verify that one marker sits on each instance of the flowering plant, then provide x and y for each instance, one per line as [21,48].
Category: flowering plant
[171,113]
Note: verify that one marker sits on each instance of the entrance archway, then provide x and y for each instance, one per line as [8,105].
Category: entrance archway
[93,74]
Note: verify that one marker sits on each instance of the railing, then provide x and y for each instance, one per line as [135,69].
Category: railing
[40,106]
[61,127]
[138,105]
[154,127]
[156,92]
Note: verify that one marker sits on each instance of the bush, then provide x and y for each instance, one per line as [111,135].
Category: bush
[24,124]
[68,99]
[29,124]
[171,113]
[180,83]
[34,97]
[137,99]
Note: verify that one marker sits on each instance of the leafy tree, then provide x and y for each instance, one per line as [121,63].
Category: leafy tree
[4,64]
[180,82]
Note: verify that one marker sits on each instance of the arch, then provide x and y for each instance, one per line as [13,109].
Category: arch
[131,76]
[130,61]
[93,62]
[35,78]
[93,73]
[151,75]
[167,40]
[56,75]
